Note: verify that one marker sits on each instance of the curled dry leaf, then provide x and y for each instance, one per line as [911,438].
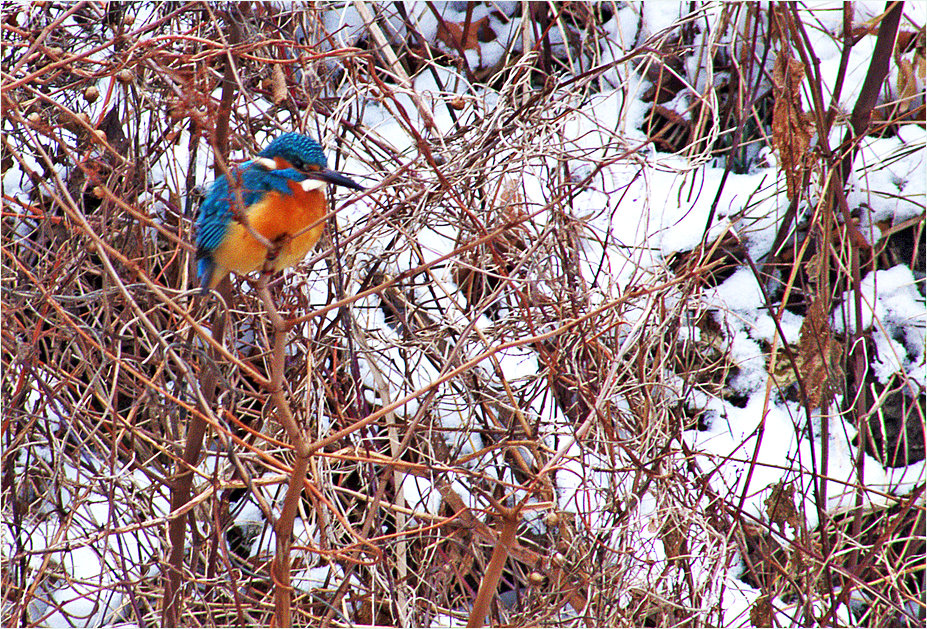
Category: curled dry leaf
[791,126]
[780,506]
[452,34]
[818,353]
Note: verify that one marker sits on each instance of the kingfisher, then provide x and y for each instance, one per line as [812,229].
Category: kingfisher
[282,191]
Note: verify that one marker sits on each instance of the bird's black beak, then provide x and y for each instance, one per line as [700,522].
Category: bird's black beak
[334,177]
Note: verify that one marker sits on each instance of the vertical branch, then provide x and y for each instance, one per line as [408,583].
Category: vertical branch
[228,95]
[183,479]
[180,493]
[860,122]
[284,524]
[878,70]
[490,580]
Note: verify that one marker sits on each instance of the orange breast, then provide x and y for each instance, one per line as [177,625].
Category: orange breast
[274,217]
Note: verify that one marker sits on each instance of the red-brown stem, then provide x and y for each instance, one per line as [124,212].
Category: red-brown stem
[490,581]
[284,525]
[183,479]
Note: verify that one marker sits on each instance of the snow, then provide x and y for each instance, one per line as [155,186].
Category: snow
[740,292]
[764,327]
[421,494]
[894,309]
[895,188]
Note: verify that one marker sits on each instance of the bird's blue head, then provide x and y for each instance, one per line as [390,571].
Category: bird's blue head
[302,153]
[299,151]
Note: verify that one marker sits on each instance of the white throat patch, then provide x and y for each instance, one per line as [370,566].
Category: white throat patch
[265,163]
[311,184]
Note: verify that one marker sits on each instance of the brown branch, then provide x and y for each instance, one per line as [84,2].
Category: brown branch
[284,525]
[872,85]
[182,483]
[493,574]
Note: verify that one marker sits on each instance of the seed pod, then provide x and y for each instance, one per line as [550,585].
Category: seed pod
[279,84]
[552,519]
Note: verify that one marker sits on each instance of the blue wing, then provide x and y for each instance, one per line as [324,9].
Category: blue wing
[216,211]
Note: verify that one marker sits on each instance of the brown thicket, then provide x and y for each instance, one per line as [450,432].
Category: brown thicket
[124,396]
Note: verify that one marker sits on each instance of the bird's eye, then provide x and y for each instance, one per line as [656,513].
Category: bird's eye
[298,164]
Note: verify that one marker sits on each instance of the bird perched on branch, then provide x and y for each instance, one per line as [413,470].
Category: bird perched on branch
[281,193]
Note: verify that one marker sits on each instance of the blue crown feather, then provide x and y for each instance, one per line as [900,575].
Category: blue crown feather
[297,149]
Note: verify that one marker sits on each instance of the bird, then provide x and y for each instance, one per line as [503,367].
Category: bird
[282,191]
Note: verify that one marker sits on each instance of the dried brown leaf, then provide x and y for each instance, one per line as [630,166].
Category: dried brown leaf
[818,352]
[674,535]
[792,127]
[761,614]
[452,34]
[780,506]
